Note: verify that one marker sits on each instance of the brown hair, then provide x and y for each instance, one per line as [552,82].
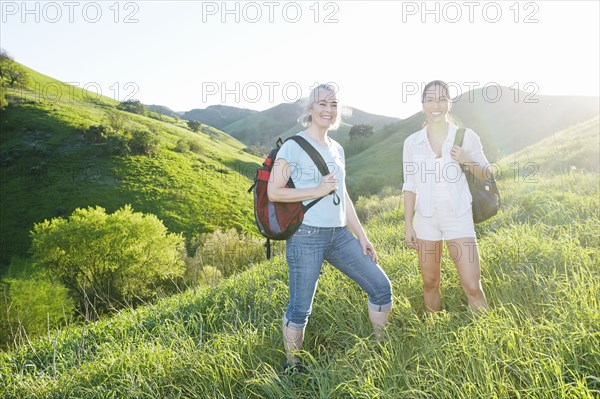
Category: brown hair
[444,89]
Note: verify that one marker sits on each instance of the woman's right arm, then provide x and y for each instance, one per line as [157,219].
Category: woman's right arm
[409,169]
[278,192]
[410,236]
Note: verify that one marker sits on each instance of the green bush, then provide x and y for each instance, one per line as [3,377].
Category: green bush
[143,143]
[32,305]
[117,144]
[98,133]
[182,146]
[117,120]
[195,147]
[108,260]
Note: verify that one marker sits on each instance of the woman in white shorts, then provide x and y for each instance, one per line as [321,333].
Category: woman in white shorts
[436,187]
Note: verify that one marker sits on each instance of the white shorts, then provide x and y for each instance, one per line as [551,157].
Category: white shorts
[443,224]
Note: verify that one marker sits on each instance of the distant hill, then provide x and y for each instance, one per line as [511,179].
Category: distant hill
[217,116]
[505,127]
[194,182]
[281,121]
[162,110]
[262,127]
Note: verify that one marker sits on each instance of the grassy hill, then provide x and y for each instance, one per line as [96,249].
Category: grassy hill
[540,338]
[195,182]
[264,127]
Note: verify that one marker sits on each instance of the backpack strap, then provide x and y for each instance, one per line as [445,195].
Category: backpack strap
[458,140]
[460,136]
[319,162]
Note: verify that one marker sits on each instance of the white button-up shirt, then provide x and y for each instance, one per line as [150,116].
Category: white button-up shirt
[421,171]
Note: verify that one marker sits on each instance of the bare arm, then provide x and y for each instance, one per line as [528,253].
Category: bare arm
[278,192]
[409,212]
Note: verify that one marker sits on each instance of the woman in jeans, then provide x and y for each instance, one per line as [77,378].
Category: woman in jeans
[326,233]
[436,187]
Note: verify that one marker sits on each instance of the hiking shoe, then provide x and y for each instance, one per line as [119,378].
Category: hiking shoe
[293,368]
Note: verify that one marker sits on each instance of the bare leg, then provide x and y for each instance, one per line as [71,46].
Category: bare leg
[430,255]
[465,255]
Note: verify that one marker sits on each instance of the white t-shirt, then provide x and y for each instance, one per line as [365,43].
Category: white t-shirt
[422,173]
[305,174]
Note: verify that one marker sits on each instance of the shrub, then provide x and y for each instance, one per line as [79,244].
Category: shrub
[32,305]
[182,146]
[98,133]
[117,120]
[108,260]
[143,143]
[229,251]
[195,147]
[117,144]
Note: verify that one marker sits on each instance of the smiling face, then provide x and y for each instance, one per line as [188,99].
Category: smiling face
[435,103]
[324,110]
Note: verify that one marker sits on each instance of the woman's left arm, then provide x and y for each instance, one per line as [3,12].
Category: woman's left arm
[357,228]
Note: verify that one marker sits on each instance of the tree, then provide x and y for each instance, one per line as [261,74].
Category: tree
[11,74]
[108,260]
[133,106]
[194,125]
[364,131]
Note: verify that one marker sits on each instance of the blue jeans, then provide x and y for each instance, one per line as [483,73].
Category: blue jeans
[306,251]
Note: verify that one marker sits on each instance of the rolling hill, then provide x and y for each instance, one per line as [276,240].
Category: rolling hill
[218,116]
[49,168]
[162,110]
[264,127]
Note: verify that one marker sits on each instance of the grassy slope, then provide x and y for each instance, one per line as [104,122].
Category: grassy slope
[48,169]
[541,338]
[576,147]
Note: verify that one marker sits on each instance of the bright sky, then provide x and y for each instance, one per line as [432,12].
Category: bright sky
[192,54]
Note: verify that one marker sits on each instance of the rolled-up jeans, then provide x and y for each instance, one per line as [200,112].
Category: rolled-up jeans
[306,251]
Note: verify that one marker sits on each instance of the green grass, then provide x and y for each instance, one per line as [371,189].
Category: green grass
[48,169]
[540,338]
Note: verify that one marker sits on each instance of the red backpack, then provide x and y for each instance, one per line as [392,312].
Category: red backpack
[280,220]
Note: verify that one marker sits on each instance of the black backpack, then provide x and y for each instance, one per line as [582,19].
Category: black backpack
[486,198]
[280,220]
